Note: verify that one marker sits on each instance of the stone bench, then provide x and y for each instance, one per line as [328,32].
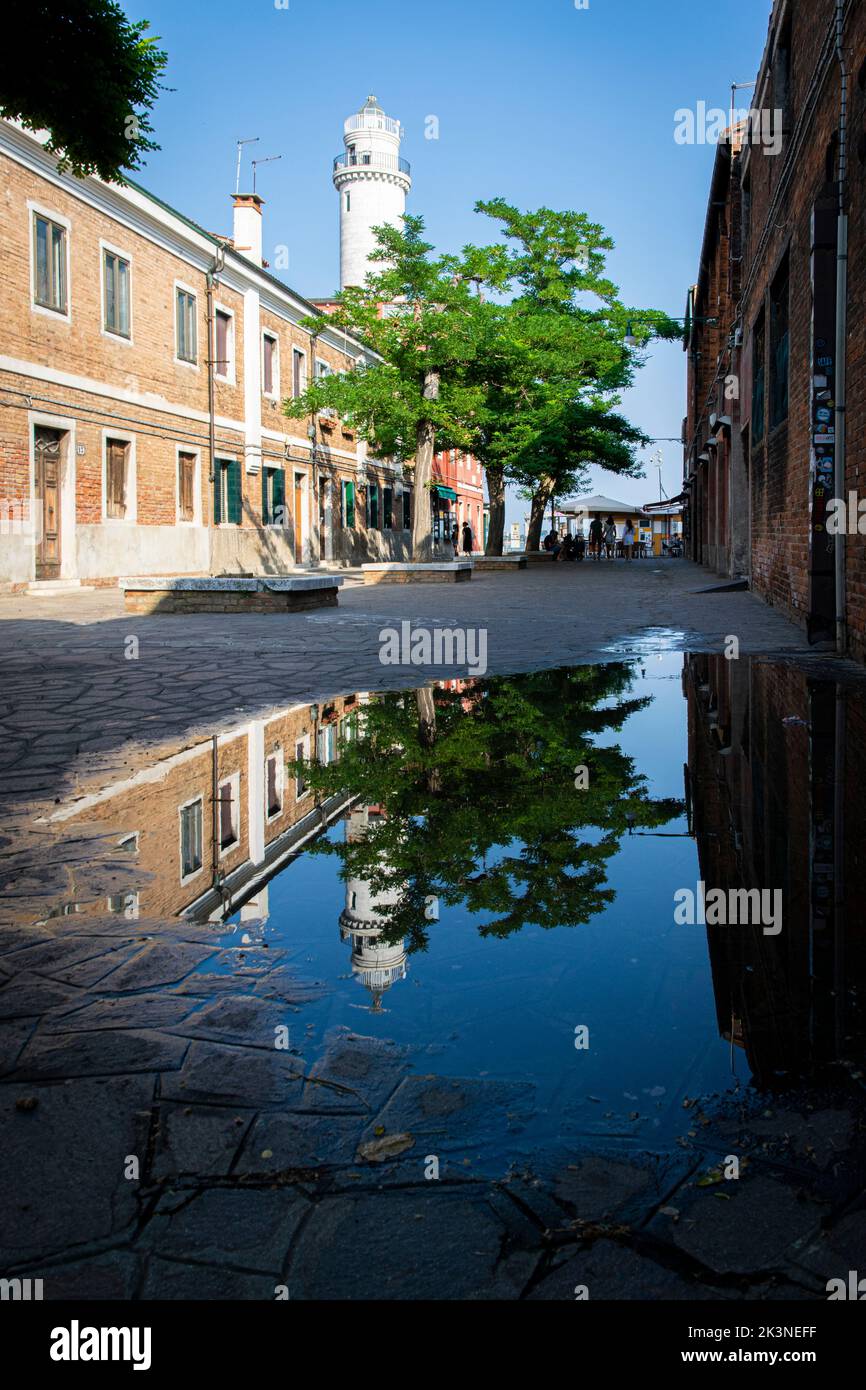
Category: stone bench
[438,572]
[500,562]
[263,594]
[537,557]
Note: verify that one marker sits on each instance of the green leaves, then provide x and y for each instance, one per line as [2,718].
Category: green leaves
[93,81]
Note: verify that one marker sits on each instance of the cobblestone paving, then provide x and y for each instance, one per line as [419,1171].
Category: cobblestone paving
[260,1170]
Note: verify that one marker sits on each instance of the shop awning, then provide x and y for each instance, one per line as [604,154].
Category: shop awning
[447,492]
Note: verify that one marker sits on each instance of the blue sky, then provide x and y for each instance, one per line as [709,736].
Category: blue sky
[537,101]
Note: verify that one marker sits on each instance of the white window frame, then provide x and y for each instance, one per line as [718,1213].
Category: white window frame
[129,841]
[228,378]
[305,379]
[233,781]
[302,742]
[58,315]
[124,256]
[131,517]
[181,361]
[329,370]
[273,395]
[277,754]
[188,878]
[196,489]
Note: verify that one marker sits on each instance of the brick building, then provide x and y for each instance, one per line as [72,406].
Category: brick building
[770,386]
[207,827]
[143,361]
[458,496]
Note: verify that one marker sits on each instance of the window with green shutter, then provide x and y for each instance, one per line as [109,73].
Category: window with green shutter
[273,497]
[373,506]
[228,504]
[349,505]
[388,509]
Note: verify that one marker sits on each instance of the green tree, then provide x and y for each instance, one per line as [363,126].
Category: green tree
[560,365]
[89,77]
[479,799]
[423,318]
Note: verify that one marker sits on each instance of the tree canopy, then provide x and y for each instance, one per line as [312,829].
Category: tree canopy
[479,802]
[87,75]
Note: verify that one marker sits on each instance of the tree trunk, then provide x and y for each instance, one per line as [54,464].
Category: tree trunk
[496,493]
[425,441]
[540,499]
[425,700]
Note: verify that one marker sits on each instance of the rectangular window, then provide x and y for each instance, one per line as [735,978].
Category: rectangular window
[327,749]
[187,339]
[186,466]
[227,492]
[274,785]
[191,838]
[116,478]
[227,797]
[300,757]
[347,510]
[407,509]
[50,287]
[759,378]
[373,506]
[223,364]
[779,345]
[273,497]
[299,372]
[115,278]
[387,508]
[269,364]
[322,369]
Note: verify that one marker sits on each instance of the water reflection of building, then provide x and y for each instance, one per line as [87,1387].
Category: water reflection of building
[207,827]
[776,769]
[376,964]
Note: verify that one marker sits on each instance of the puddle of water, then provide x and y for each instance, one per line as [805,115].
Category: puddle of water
[487,874]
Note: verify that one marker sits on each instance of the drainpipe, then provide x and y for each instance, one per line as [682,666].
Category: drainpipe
[215,270]
[841,335]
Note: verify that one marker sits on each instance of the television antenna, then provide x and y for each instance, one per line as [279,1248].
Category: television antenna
[252,141]
[270,159]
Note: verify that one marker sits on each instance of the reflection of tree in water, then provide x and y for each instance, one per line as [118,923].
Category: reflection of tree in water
[478,801]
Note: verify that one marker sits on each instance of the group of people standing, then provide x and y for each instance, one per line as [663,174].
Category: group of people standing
[603,540]
[467,536]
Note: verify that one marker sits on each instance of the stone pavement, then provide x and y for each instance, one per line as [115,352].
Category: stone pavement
[156,1143]
[74,707]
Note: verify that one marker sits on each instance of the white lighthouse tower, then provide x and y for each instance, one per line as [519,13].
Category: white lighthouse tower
[372,180]
[376,964]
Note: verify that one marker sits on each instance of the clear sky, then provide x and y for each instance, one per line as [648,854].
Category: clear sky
[537,101]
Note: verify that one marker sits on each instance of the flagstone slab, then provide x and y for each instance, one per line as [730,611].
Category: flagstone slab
[362,1073]
[214,1072]
[62,1180]
[245,1226]
[99,1053]
[401,1244]
[281,1143]
[190,1283]
[198,1140]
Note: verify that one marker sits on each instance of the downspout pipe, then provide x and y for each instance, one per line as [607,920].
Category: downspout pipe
[215,270]
[841,377]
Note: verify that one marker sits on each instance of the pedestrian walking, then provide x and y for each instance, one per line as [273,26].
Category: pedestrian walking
[628,540]
[455,541]
[610,538]
[596,537]
[468,542]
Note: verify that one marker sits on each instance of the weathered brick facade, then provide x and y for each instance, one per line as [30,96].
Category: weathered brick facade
[114,406]
[776,337]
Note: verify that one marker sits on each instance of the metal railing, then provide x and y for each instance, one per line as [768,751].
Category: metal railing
[370,159]
[369,121]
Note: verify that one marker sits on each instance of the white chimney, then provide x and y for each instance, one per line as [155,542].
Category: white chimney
[248,226]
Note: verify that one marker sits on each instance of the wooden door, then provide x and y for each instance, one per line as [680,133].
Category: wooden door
[48,451]
[299,518]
